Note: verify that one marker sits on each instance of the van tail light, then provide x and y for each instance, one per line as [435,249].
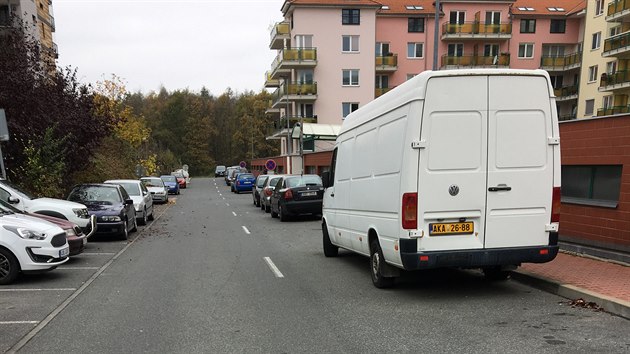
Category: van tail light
[288,194]
[410,211]
[268,192]
[555,205]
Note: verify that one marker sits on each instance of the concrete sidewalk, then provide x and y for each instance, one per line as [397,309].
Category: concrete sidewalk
[575,276]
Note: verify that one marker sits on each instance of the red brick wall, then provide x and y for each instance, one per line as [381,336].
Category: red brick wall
[598,141]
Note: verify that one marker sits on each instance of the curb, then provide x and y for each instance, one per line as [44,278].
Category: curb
[608,304]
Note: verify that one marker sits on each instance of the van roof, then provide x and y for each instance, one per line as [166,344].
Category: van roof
[414,89]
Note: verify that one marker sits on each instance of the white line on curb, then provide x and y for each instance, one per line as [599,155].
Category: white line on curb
[78,268]
[18,322]
[234,213]
[246,230]
[273,268]
[98,253]
[40,289]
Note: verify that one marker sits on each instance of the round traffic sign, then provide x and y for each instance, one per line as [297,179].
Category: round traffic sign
[270,165]
[242,164]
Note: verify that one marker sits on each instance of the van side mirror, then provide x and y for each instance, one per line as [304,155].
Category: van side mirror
[326,179]
[13,200]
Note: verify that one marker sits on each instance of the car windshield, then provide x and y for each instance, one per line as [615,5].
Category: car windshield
[20,192]
[131,188]
[6,208]
[87,194]
[245,175]
[302,181]
[169,178]
[152,182]
[261,181]
[273,181]
[220,168]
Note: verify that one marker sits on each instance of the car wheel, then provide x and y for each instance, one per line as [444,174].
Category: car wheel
[9,267]
[282,213]
[267,208]
[151,217]
[496,274]
[273,213]
[125,232]
[376,267]
[135,226]
[330,250]
[143,221]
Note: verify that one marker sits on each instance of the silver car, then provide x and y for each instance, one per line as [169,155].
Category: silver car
[157,188]
[267,191]
[142,200]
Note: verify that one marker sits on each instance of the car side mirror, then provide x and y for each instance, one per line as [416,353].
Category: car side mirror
[129,201]
[326,179]
[13,200]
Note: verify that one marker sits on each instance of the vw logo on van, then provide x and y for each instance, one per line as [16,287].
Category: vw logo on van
[453,190]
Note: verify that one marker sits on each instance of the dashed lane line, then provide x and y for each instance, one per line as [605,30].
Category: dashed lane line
[273,268]
[234,214]
[246,230]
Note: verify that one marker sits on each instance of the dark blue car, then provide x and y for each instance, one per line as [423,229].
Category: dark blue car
[243,182]
[171,183]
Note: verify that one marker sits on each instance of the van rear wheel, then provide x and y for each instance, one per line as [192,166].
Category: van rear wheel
[330,250]
[377,262]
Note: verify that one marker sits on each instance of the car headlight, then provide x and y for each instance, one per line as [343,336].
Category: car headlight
[70,232]
[30,234]
[110,218]
[81,212]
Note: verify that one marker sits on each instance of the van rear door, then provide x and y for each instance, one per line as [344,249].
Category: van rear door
[520,162]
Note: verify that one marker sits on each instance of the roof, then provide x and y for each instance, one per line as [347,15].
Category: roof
[407,7]
[330,3]
[548,7]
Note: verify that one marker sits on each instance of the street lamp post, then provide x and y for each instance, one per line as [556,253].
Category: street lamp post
[435,34]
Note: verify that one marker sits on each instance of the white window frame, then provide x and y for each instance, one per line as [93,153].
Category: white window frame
[526,46]
[301,41]
[348,107]
[607,101]
[379,49]
[351,73]
[592,73]
[415,50]
[599,7]
[352,42]
[597,40]
[611,67]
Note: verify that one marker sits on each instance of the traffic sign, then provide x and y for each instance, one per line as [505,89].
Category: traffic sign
[242,164]
[270,165]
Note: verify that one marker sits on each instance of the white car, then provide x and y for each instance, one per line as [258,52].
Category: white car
[59,208]
[158,189]
[29,244]
[142,199]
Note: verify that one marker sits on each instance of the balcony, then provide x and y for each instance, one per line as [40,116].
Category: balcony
[566,93]
[563,63]
[609,111]
[476,61]
[274,112]
[617,46]
[476,30]
[379,91]
[611,82]
[293,58]
[387,63]
[618,11]
[279,34]
[269,82]
[294,92]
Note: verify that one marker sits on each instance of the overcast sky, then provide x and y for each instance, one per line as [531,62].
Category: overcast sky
[177,44]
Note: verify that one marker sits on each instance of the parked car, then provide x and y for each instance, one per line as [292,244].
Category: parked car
[267,190]
[297,194]
[171,183]
[29,244]
[112,206]
[59,208]
[233,173]
[74,235]
[219,171]
[257,188]
[157,188]
[243,182]
[142,199]
[180,179]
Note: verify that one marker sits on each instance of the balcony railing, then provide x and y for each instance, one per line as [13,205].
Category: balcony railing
[379,91]
[476,60]
[386,62]
[618,6]
[294,57]
[566,91]
[292,120]
[563,62]
[271,82]
[288,92]
[616,42]
[608,111]
[279,33]
[476,28]
[619,77]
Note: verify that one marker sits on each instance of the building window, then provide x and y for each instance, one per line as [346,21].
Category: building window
[589,107]
[305,110]
[607,101]
[558,26]
[350,16]
[597,38]
[455,50]
[528,26]
[415,25]
[382,81]
[350,77]
[597,185]
[303,41]
[490,50]
[615,31]
[415,50]
[348,107]
[592,73]
[350,43]
[457,17]
[611,67]
[382,49]
[599,7]
[526,50]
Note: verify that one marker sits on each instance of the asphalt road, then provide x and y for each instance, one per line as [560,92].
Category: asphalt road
[214,274]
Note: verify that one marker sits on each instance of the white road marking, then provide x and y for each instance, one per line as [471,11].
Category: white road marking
[18,322]
[246,230]
[234,213]
[78,268]
[98,253]
[38,289]
[273,268]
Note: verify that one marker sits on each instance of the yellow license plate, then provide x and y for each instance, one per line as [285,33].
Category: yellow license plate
[453,228]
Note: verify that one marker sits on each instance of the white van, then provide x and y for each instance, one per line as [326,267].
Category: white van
[455,168]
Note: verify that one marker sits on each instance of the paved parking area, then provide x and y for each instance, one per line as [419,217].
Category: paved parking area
[28,302]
